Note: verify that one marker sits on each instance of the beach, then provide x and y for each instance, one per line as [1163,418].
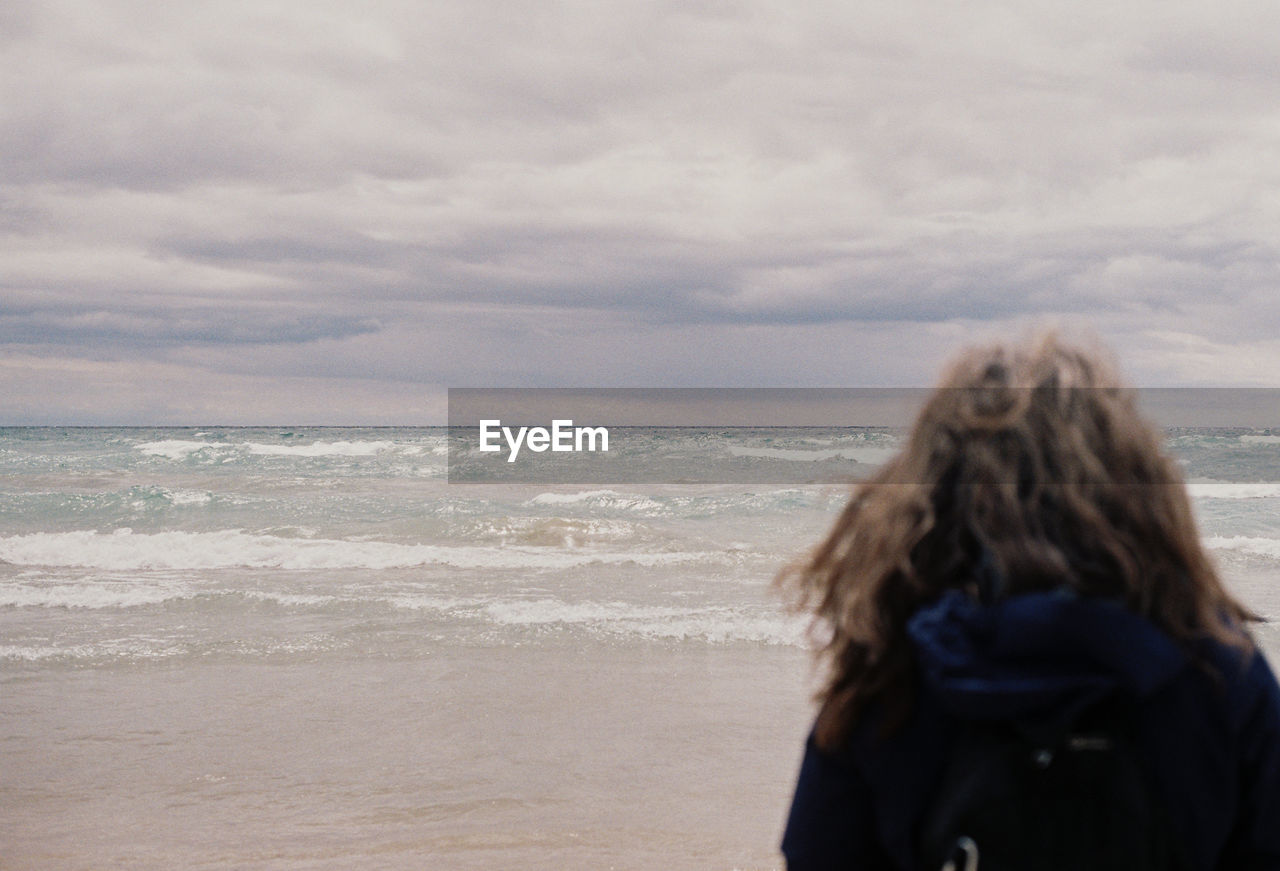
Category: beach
[298,649]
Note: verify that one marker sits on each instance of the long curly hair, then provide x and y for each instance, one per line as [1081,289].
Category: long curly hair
[1030,465]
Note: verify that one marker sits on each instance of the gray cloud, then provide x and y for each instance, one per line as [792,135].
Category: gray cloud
[95,327]
[412,192]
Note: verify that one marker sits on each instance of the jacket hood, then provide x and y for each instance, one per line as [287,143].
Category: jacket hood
[1037,657]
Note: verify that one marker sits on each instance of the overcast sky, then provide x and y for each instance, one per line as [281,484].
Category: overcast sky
[299,212]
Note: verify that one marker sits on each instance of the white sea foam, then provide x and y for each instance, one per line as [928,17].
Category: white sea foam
[432,603]
[114,648]
[124,550]
[724,627]
[569,498]
[291,599]
[144,648]
[36,653]
[869,455]
[1258,546]
[541,611]
[179,449]
[88,595]
[321,449]
[558,531]
[1260,439]
[111,594]
[600,498]
[189,497]
[174,449]
[1234,490]
[717,625]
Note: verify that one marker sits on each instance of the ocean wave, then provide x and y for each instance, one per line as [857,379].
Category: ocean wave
[600,499]
[188,497]
[1255,545]
[321,449]
[108,594]
[569,498]
[151,649]
[432,603]
[174,449]
[717,625]
[181,449]
[541,611]
[1233,490]
[869,455]
[295,600]
[37,652]
[93,596]
[106,649]
[722,629]
[125,550]
[569,532]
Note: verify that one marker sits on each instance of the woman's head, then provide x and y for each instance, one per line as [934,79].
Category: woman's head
[1029,468]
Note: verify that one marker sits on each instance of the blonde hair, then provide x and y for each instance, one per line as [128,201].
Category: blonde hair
[1030,465]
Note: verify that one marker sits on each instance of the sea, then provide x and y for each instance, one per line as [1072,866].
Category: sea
[309,648]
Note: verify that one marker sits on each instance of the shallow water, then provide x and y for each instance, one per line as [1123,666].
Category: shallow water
[551,756]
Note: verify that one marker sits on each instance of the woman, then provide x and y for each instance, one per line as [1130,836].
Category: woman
[1028,558]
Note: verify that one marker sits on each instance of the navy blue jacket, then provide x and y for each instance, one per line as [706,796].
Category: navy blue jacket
[1211,744]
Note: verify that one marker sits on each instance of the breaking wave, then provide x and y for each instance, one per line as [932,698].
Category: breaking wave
[123,550]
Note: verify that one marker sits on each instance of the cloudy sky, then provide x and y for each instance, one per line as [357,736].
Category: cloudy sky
[300,212]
